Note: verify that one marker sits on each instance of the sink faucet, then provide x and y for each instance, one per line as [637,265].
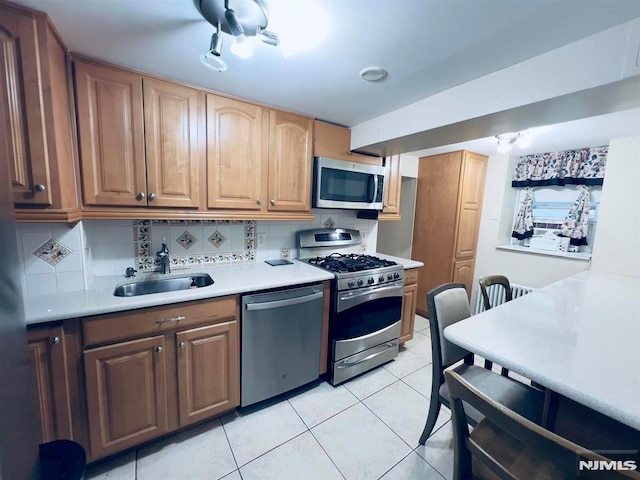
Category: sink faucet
[165,261]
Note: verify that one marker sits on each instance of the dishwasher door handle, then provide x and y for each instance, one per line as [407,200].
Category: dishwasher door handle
[283,303]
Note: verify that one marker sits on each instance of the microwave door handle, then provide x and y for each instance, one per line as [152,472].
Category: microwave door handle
[371,188]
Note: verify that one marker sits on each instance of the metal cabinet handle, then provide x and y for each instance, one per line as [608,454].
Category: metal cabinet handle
[273,202]
[385,205]
[152,196]
[140,196]
[159,349]
[55,340]
[182,345]
[259,201]
[39,187]
[169,320]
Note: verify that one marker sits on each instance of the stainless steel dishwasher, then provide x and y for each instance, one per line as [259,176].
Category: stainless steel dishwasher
[280,341]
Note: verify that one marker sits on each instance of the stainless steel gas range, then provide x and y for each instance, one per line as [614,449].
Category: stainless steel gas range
[366,301]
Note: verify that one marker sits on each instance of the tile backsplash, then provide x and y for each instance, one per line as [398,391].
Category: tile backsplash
[60,258]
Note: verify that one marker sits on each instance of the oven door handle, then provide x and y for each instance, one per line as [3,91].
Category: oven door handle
[384,347]
[351,299]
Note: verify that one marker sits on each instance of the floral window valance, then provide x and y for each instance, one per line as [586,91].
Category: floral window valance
[584,166]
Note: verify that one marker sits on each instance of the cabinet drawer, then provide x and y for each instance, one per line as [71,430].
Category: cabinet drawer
[411,276]
[122,325]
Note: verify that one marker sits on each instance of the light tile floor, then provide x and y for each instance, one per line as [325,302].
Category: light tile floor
[365,429]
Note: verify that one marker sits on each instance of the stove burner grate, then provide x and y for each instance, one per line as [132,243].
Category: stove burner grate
[352,262]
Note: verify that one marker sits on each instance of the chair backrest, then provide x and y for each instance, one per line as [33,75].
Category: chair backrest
[447,304]
[554,453]
[486,282]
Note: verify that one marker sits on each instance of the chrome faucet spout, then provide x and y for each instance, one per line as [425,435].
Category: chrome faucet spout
[165,260]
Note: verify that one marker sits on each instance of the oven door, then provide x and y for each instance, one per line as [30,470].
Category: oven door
[359,316]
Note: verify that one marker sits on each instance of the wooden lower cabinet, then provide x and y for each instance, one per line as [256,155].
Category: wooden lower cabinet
[463,273]
[208,371]
[126,394]
[409,300]
[51,383]
[149,372]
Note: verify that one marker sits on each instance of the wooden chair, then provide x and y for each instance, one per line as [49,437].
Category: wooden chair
[448,304]
[505,445]
[485,283]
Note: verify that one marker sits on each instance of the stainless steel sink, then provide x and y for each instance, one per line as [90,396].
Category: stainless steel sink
[172,284]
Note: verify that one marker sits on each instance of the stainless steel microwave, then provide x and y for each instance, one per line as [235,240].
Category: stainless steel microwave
[343,184]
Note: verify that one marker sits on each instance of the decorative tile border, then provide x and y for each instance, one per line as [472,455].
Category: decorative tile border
[146,262]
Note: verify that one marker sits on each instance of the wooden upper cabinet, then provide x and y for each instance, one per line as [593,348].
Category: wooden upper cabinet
[140,139]
[393,181]
[334,141]
[111,134]
[51,383]
[290,162]
[35,131]
[208,371]
[173,124]
[235,156]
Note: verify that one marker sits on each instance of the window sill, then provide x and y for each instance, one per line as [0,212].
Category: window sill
[583,256]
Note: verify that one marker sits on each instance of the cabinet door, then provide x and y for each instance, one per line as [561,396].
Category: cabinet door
[392,185]
[463,273]
[235,132]
[289,162]
[334,141]
[470,205]
[51,384]
[173,122]
[111,135]
[126,394]
[208,371]
[23,140]
[408,312]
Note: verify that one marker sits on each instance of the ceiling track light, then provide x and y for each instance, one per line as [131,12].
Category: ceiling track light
[506,140]
[242,19]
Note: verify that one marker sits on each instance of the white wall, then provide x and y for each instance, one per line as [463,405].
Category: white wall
[616,245]
[617,242]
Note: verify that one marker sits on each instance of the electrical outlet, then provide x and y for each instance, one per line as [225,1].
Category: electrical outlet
[284,253]
[261,239]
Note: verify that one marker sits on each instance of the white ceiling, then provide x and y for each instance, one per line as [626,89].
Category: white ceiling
[586,132]
[426,45]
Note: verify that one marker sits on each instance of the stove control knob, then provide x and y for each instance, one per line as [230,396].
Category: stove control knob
[370,280]
[351,283]
[389,277]
[381,278]
[396,275]
[360,282]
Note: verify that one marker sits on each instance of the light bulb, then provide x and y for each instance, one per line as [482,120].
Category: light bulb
[243,47]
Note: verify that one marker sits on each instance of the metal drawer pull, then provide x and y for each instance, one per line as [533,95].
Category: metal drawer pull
[182,345]
[159,349]
[55,340]
[169,320]
[39,187]
[140,196]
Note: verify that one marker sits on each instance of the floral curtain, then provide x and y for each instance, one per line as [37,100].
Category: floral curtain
[523,226]
[584,166]
[576,224]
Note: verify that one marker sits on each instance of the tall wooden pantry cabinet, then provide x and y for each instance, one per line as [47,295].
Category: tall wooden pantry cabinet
[447,219]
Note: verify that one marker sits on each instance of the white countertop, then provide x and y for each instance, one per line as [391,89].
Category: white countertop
[229,279]
[579,337]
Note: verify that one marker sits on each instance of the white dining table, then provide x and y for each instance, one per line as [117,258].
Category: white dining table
[579,337]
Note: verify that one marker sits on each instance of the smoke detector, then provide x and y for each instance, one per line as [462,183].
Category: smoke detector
[373,74]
